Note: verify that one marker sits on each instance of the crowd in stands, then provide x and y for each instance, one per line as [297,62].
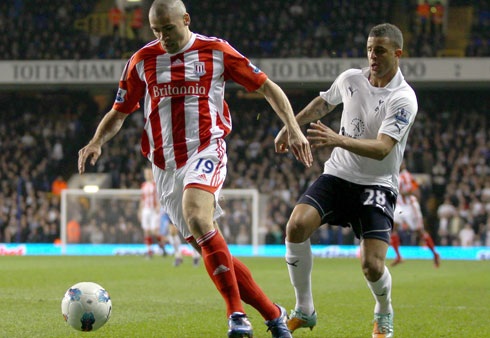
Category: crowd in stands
[265,28]
[450,142]
[426,29]
[40,133]
[480,33]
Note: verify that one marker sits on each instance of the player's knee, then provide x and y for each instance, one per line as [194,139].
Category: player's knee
[298,228]
[197,223]
[373,269]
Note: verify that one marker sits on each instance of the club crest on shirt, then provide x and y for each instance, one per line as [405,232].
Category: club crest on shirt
[357,128]
[199,68]
[121,93]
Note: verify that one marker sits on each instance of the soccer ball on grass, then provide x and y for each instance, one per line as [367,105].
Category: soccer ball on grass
[86,306]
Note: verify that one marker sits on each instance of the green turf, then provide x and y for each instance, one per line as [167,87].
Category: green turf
[151,298]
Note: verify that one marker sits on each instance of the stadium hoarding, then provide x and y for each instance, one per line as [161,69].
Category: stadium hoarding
[61,72]
[319,251]
[293,71]
[414,69]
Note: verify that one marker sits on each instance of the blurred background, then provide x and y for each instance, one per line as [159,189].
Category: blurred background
[59,66]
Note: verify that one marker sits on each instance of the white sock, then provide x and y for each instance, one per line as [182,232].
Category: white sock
[175,241]
[381,290]
[300,264]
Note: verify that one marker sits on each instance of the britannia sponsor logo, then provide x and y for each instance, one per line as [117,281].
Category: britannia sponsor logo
[169,90]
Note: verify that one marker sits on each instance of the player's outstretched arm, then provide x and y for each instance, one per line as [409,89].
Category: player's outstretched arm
[314,111]
[281,105]
[109,126]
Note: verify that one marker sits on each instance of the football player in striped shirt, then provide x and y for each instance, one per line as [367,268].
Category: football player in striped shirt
[180,79]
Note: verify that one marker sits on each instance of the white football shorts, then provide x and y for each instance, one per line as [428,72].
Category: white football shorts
[204,170]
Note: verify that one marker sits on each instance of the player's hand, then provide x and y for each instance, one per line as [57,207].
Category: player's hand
[300,147]
[281,141]
[320,135]
[91,151]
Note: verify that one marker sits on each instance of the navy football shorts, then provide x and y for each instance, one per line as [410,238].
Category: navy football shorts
[368,209]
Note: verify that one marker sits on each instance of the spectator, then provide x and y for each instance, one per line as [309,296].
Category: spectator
[437,17]
[58,185]
[73,233]
[115,16]
[466,235]
[243,237]
[274,234]
[423,16]
[137,21]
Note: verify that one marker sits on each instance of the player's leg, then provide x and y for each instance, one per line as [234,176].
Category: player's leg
[418,225]
[373,253]
[198,209]
[148,239]
[400,217]
[146,224]
[196,258]
[374,228]
[321,203]
[378,278]
[252,294]
[174,239]
[158,231]
[430,244]
[304,220]
[395,243]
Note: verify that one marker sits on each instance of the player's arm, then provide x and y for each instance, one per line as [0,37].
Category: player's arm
[314,111]
[109,126]
[281,105]
[320,135]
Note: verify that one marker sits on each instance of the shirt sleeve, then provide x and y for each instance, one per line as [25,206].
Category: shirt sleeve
[400,115]
[131,89]
[241,70]
[334,94]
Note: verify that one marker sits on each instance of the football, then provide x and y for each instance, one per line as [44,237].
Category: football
[86,306]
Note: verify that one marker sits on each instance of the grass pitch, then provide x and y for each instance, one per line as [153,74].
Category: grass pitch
[151,298]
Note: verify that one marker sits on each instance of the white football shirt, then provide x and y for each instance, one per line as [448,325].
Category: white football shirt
[368,111]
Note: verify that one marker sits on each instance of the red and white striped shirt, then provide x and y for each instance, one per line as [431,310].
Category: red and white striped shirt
[149,197]
[184,106]
[407,187]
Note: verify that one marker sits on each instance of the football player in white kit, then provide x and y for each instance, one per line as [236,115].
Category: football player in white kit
[359,185]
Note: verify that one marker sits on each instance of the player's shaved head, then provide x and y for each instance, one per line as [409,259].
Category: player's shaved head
[166,7]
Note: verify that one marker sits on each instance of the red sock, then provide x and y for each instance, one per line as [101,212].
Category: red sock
[251,292]
[159,239]
[430,243]
[219,264]
[395,242]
